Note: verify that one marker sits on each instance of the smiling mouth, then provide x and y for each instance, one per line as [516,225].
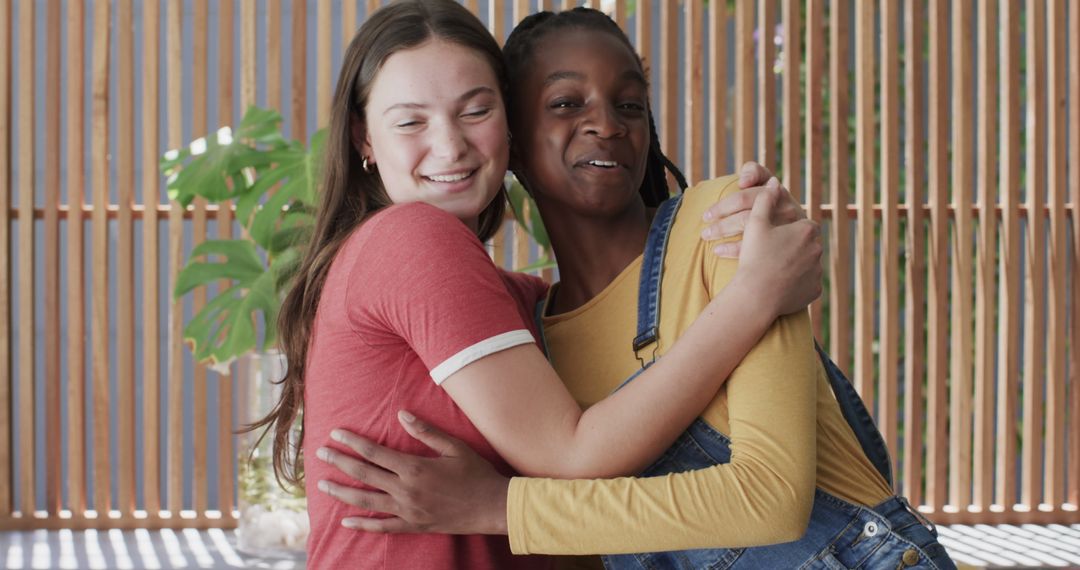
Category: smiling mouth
[450,178]
[603,163]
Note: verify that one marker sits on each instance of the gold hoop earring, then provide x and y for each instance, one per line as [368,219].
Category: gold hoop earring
[368,167]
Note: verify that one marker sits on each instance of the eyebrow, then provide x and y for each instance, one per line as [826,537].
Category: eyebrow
[628,75]
[464,97]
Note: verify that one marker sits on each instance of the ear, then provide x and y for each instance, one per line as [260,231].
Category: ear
[358,134]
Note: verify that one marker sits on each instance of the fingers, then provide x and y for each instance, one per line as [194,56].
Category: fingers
[430,435]
[752,174]
[728,250]
[729,226]
[393,525]
[763,206]
[358,470]
[373,501]
[384,457]
[740,201]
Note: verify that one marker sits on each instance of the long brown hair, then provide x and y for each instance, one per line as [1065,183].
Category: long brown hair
[350,195]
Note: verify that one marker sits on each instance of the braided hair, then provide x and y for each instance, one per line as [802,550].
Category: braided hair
[521,47]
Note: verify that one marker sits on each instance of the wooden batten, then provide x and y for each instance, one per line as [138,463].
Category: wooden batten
[888,414]
[915,245]
[963,162]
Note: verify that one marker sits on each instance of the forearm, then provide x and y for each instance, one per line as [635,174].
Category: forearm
[518,403]
[762,496]
[658,406]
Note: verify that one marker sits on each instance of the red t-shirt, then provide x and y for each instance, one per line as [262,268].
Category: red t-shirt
[411,297]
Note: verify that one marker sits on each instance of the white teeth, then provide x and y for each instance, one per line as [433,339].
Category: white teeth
[450,177]
[604,163]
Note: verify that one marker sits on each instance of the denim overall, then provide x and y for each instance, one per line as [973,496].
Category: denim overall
[840,534]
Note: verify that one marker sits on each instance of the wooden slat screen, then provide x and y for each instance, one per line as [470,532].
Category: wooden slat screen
[952,225]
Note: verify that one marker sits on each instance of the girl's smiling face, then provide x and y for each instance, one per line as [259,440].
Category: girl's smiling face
[583,128]
[436,129]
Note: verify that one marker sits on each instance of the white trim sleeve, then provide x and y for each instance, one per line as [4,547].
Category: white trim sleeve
[479,350]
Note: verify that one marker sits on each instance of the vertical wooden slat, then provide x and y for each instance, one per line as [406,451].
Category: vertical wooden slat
[669,80]
[744,83]
[1073,486]
[643,33]
[521,243]
[619,14]
[348,22]
[151,375]
[962,183]
[1053,485]
[839,272]
[816,175]
[497,21]
[100,279]
[125,318]
[226,99]
[864,200]
[175,441]
[1008,364]
[373,5]
[521,9]
[1034,281]
[6,50]
[298,96]
[226,72]
[248,49]
[76,291]
[199,71]
[324,92]
[985,297]
[273,55]
[52,265]
[915,267]
[717,88]
[792,98]
[27,130]
[889,308]
[766,95]
[937,296]
[694,72]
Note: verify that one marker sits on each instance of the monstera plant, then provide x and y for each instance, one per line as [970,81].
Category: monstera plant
[272,183]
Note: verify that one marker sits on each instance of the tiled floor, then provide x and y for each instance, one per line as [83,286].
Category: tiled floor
[138,549]
[1013,546]
[979,546]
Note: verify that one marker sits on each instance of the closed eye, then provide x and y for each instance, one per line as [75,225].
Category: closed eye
[478,113]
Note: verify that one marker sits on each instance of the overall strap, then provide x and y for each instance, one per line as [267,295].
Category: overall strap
[851,404]
[857,416]
[652,266]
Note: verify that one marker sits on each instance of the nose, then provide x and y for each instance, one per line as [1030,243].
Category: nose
[449,142]
[604,121]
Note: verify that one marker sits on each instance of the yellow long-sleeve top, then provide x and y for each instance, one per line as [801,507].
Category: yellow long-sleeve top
[773,407]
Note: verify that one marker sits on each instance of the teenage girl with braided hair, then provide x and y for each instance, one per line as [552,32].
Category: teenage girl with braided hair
[399,306]
[785,453]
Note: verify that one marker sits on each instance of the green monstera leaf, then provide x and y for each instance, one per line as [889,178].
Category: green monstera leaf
[271,182]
